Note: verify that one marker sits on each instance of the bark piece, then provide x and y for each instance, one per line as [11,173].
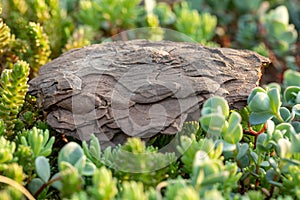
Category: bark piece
[140,88]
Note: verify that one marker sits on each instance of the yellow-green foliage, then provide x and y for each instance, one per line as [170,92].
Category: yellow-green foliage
[13,88]
[47,13]
[4,36]
[5,39]
[10,169]
[34,48]
[200,27]
[81,37]
[40,48]
[110,15]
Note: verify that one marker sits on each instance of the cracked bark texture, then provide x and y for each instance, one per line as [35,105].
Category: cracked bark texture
[140,88]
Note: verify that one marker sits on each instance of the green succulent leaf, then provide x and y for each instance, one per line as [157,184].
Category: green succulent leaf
[291,78]
[42,168]
[71,153]
[234,132]
[286,115]
[263,142]
[291,94]
[93,151]
[286,129]
[35,184]
[260,103]
[296,110]
[284,147]
[89,169]
[254,92]
[275,101]
[213,123]
[57,183]
[295,140]
[243,150]
[260,117]
[38,141]
[104,184]
[215,105]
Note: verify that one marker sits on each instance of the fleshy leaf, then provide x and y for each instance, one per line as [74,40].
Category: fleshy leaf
[42,168]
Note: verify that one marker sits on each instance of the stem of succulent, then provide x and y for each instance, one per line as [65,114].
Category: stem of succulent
[278,116]
[272,187]
[37,193]
[259,160]
[254,133]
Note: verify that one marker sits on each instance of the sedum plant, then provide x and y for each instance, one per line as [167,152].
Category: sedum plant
[200,27]
[4,36]
[280,34]
[48,14]
[111,16]
[40,48]
[218,122]
[17,164]
[82,36]
[12,93]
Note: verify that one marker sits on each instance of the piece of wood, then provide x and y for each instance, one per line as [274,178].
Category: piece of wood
[140,88]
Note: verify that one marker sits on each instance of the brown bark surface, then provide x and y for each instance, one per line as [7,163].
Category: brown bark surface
[140,88]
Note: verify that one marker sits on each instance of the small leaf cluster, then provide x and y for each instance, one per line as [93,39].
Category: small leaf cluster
[13,88]
[268,103]
[200,27]
[82,174]
[217,121]
[18,158]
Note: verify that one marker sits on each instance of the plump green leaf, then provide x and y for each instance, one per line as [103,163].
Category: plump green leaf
[270,175]
[71,153]
[286,129]
[296,126]
[296,110]
[284,147]
[35,184]
[295,139]
[244,161]
[215,105]
[254,92]
[212,123]
[291,78]
[243,149]
[104,184]
[56,184]
[260,117]
[262,142]
[234,132]
[260,103]
[254,156]
[286,115]
[275,101]
[264,164]
[89,169]
[228,147]
[42,168]
[291,94]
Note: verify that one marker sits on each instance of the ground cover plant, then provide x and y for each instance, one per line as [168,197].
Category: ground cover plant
[255,153]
